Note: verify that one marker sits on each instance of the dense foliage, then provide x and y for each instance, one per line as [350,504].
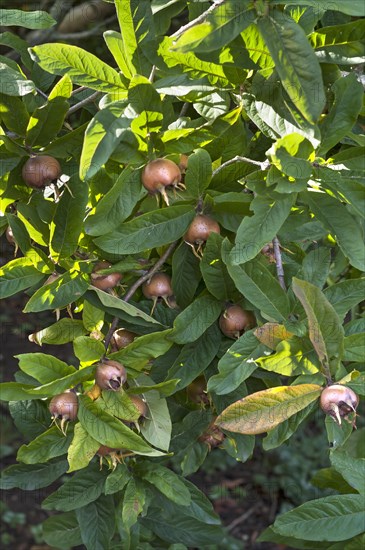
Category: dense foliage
[258,106]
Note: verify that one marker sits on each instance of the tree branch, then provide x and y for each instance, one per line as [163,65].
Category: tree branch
[81,103]
[136,285]
[263,165]
[279,262]
[198,19]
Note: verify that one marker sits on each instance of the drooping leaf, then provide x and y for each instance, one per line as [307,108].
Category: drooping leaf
[65,330]
[144,348]
[62,529]
[29,477]
[345,295]
[81,449]
[17,275]
[214,271]
[185,267]
[133,502]
[49,444]
[97,522]
[44,368]
[166,481]
[195,319]
[199,173]
[29,19]
[352,469]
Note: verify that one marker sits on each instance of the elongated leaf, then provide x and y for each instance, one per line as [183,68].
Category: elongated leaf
[167,482]
[17,275]
[257,230]
[44,368]
[356,7]
[87,349]
[333,518]
[13,82]
[337,219]
[264,410]
[237,364]
[13,113]
[81,66]
[62,527]
[116,205]
[150,230]
[199,173]
[81,449]
[61,384]
[345,295]
[110,431]
[214,271]
[295,62]
[133,502]
[77,491]
[29,477]
[347,104]
[117,480]
[355,348]
[185,267]
[28,19]
[157,426]
[316,266]
[352,469]
[65,330]
[325,329]
[49,444]
[31,418]
[195,319]
[293,356]
[144,348]
[65,290]
[261,288]
[97,522]
[277,436]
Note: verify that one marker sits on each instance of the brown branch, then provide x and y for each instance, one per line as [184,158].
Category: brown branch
[82,103]
[139,282]
[198,20]
[263,165]
[279,262]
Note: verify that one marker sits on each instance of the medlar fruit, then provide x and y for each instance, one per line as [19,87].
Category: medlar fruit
[159,174]
[107,281]
[339,401]
[235,320]
[122,338]
[64,406]
[41,170]
[158,286]
[199,230]
[110,375]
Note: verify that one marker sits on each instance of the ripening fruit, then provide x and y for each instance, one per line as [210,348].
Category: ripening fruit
[339,401]
[159,174]
[104,282]
[158,286]
[140,405]
[235,320]
[122,338]
[197,390]
[199,230]
[64,407]
[41,170]
[213,437]
[110,375]
[104,450]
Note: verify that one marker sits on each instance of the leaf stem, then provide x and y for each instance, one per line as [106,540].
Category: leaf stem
[279,262]
[136,285]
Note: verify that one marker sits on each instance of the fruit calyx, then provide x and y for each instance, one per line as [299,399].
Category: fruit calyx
[110,375]
[64,406]
[235,320]
[104,281]
[339,402]
[198,232]
[213,436]
[159,174]
[158,286]
[41,170]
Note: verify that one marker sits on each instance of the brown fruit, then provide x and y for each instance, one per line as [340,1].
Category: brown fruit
[104,282]
[199,230]
[39,171]
[338,401]
[197,390]
[158,286]
[213,437]
[183,164]
[104,450]
[235,320]
[159,174]
[64,406]
[110,375]
[122,338]
[139,404]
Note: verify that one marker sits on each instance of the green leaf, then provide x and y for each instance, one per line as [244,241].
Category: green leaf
[333,518]
[352,469]
[17,275]
[46,121]
[117,480]
[97,523]
[329,478]
[195,357]
[16,391]
[290,155]
[65,330]
[87,349]
[110,431]
[356,7]
[277,436]
[49,444]
[294,356]
[316,266]
[219,28]
[120,405]
[62,530]
[185,267]
[257,230]
[30,477]
[144,348]
[166,481]
[341,224]
[79,490]
[13,82]
[354,348]
[195,319]
[23,233]
[84,68]
[157,426]
[92,317]
[103,133]
[198,173]
[295,62]
[66,225]
[117,205]
[61,384]
[66,289]
[133,502]
[214,271]
[147,103]
[13,114]
[150,230]
[264,410]
[81,449]
[325,329]
[30,417]
[237,364]
[28,19]
[261,288]
[345,295]
[44,368]
[342,116]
